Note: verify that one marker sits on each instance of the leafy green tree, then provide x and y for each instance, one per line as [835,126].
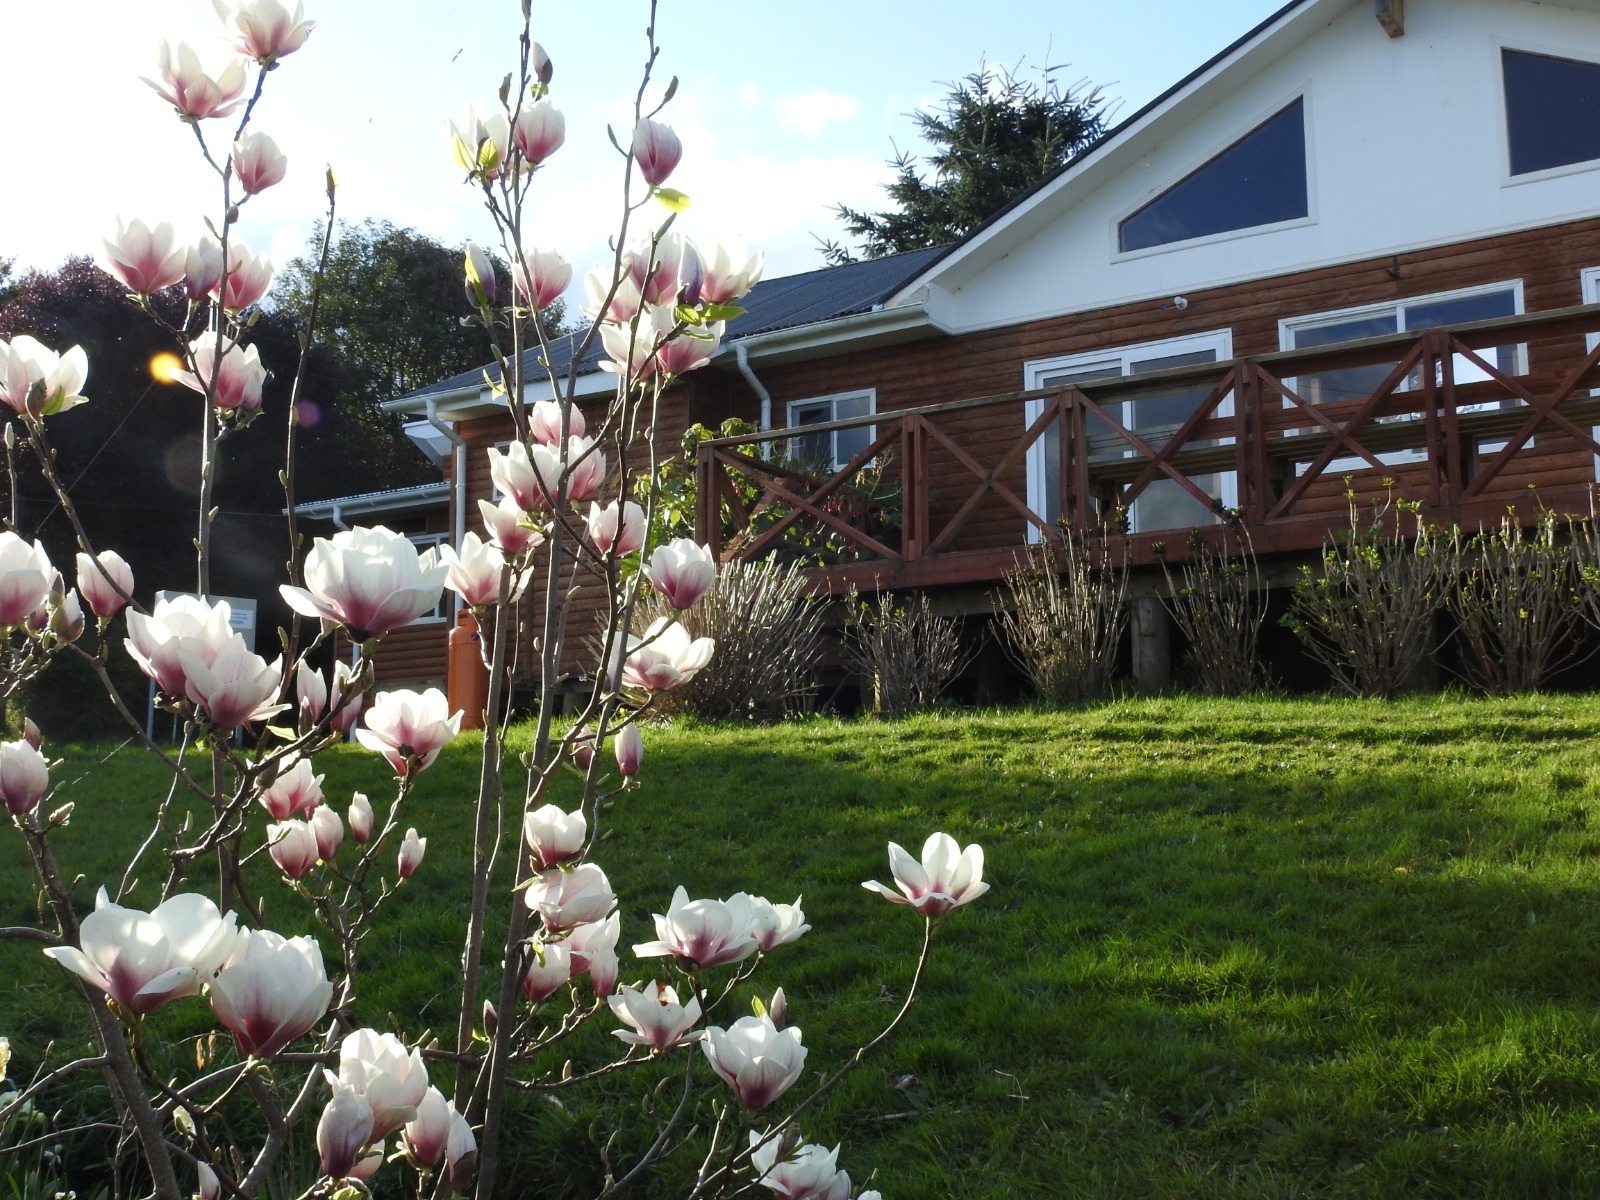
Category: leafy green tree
[992,139]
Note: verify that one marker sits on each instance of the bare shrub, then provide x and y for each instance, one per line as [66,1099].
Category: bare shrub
[907,651]
[1517,605]
[1063,613]
[1368,614]
[768,632]
[1219,601]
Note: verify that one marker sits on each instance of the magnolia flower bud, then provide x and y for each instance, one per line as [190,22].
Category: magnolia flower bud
[657,150]
[480,275]
[629,749]
[360,818]
[24,776]
[411,851]
[328,831]
[66,617]
[344,1129]
[491,1019]
[31,734]
[543,69]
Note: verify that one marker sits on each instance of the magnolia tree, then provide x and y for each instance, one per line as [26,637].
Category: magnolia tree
[387,1102]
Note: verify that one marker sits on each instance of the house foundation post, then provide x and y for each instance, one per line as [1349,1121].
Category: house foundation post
[1151,629]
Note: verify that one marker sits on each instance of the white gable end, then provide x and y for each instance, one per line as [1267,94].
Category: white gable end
[1406,147]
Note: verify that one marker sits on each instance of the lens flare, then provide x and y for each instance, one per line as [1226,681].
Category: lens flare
[165,368]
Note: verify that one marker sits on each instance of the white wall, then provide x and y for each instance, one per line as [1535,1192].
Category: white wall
[1406,148]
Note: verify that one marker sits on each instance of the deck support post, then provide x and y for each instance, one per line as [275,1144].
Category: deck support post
[1151,630]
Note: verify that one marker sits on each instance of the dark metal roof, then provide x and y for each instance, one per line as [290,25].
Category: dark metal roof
[772,304]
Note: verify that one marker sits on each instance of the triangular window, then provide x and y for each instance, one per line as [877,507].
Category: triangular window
[1552,110]
[1259,180]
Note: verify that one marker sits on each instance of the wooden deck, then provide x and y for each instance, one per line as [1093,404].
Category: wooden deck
[1447,428]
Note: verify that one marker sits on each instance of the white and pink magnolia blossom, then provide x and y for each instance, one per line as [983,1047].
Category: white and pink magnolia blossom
[946,878]
[272,990]
[479,272]
[370,580]
[426,1135]
[473,572]
[106,582]
[709,933]
[24,776]
[564,899]
[240,379]
[367,1165]
[185,85]
[342,1132]
[266,29]
[409,728]
[393,1079]
[66,615]
[665,657]
[249,277]
[293,846]
[549,969]
[658,270]
[538,131]
[587,463]
[778,1008]
[544,421]
[807,1173]
[202,268]
[459,1152]
[776,925]
[360,817]
[628,747]
[258,163]
[481,145]
[603,532]
[329,831]
[233,685]
[689,350]
[594,952]
[142,960]
[657,150]
[553,836]
[654,1017]
[317,700]
[144,259]
[178,627]
[26,578]
[755,1058]
[681,571]
[625,301]
[725,282]
[412,848]
[210,1185]
[509,528]
[541,277]
[295,792]
[631,348]
[532,477]
[35,379]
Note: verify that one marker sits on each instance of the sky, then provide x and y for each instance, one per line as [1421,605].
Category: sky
[784,108]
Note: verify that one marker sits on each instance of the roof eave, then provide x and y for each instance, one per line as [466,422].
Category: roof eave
[839,335]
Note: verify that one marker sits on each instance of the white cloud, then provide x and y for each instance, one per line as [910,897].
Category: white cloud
[811,112]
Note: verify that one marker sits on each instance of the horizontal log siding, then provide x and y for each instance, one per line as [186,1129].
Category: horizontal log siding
[411,657]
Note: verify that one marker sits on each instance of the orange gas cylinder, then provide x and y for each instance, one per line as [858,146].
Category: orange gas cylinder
[466,678]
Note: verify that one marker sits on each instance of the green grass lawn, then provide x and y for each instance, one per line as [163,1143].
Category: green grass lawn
[1263,948]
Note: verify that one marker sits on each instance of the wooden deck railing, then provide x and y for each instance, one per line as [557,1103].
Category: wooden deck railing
[934,495]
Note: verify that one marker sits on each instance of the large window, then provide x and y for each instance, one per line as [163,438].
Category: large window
[1552,110]
[1165,503]
[441,610]
[1259,180]
[831,448]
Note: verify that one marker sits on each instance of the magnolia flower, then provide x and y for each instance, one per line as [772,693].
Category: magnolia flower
[202,268]
[947,877]
[664,657]
[775,925]
[293,846]
[459,1152]
[603,532]
[210,1185]
[106,582]
[266,30]
[778,1008]
[554,836]
[625,300]
[240,379]
[479,274]
[295,792]
[540,278]
[631,349]
[655,1018]
[544,421]
[345,1127]
[26,578]
[360,818]
[317,700]
[628,746]
[707,932]
[144,260]
[329,832]
[368,580]
[538,131]
[532,478]
[543,69]
[689,350]
[177,627]
[394,1080]
[564,899]
[480,146]
[258,163]
[66,614]
[724,283]
[248,278]
[549,969]
[593,947]
[142,960]
[806,1173]
[35,379]
[272,990]
[409,728]
[755,1058]
[508,527]
[412,849]
[473,572]
[426,1135]
[657,150]
[24,777]
[194,94]
[681,571]
[234,686]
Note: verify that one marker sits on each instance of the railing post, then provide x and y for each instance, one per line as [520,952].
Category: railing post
[1435,350]
[707,502]
[1249,441]
[913,488]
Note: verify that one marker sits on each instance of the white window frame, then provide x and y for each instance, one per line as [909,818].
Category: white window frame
[832,400]
[1038,373]
[1589,282]
[1288,326]
[426,541]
